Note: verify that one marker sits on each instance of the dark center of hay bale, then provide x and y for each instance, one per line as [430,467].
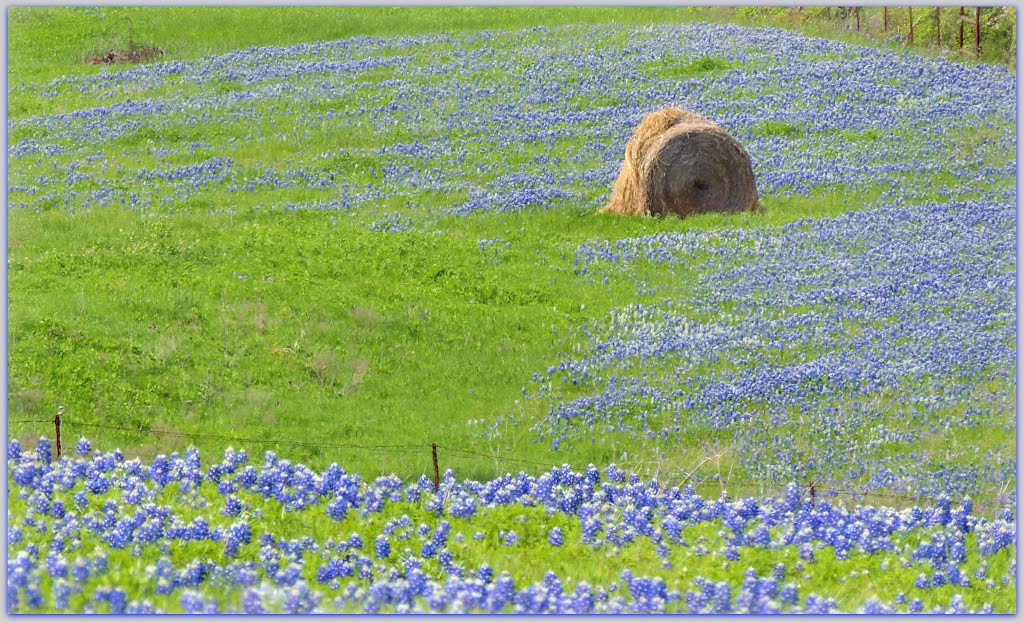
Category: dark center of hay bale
[678,162]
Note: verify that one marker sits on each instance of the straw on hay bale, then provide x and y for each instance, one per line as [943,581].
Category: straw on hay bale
[678,162]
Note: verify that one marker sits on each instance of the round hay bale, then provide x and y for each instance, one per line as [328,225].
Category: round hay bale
[678,162]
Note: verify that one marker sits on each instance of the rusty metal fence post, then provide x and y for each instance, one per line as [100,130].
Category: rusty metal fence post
[437,472]
[56,424]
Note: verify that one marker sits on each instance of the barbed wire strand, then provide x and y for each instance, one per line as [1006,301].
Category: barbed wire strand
[822,488]
[228,438]
[495,457]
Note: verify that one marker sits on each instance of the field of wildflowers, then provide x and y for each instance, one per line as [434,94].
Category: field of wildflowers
[99,533]
[393,240]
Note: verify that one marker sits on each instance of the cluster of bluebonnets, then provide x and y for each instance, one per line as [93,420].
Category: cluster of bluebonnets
[94,532]
[844,338]
[427,116]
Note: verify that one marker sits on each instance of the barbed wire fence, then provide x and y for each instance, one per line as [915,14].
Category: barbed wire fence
[960,30]
[816,490]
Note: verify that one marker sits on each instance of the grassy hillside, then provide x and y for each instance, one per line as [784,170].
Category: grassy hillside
[386,240]
[46,42]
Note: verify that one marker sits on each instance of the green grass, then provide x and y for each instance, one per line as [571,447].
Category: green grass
[49,42]
[679,69]
[171,323]
[269,325]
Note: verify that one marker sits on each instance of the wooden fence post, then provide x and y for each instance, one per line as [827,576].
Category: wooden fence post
[938,28]
[976,22]
[910,12]
[885,19]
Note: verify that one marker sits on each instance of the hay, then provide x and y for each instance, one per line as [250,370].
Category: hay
[678,162]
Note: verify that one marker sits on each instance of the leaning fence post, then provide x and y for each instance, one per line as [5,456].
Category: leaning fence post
[437,473]
[56,424]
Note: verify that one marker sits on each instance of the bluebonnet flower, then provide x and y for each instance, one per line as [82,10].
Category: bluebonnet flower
[335,568]
[13,450]
[355,542]
[790,594]
[382,546]
[807,552]
[463,506]
[485,573]
[56,566]
[252,601]
[62,592]
[44,451]
[428,550]
[779,571]
[509,538]
[555,537]
[240,533]
[193,603]
[232,506]
[115,599]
